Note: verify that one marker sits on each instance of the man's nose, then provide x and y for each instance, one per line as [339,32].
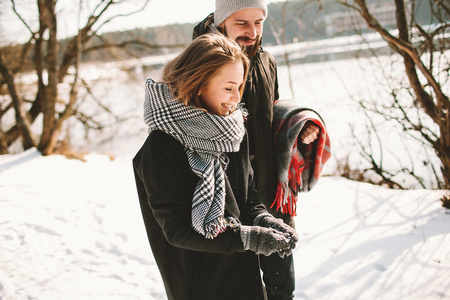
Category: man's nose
[251,32]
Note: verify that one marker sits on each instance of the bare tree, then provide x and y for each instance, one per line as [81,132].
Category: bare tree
[424,51]
[44,48]
[281,31]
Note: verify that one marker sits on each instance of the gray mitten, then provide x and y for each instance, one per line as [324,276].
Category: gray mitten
[263,240]
[268,221]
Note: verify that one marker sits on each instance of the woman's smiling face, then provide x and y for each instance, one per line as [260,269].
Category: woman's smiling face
[221,94]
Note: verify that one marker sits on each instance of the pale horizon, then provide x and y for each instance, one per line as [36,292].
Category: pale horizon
[157,13]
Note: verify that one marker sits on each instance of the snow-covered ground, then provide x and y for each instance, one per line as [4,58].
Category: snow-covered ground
[72,230]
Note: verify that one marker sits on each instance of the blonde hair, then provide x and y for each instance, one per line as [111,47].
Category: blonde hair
[198,63]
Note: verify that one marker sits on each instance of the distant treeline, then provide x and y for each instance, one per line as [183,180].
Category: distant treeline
[288,22]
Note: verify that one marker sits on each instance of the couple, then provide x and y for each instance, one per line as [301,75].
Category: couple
[206,174]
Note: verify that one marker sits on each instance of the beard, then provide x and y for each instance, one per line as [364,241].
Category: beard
[251,50]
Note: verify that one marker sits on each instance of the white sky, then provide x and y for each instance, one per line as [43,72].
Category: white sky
[157,13]
[161,12]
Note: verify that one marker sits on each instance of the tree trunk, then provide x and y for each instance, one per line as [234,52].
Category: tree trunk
[23,123]
[49,136]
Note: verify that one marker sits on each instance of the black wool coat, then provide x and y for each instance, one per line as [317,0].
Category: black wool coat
[193,267]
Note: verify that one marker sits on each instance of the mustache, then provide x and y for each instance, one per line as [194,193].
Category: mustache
[246,39]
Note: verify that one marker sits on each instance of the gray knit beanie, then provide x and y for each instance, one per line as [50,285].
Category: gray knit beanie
[225,8]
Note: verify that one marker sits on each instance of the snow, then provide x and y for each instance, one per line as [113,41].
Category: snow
[73,230]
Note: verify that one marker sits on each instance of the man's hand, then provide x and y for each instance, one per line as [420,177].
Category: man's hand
[310,133]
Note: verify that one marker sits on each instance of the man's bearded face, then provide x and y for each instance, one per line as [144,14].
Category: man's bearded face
[250,50]
[245,27]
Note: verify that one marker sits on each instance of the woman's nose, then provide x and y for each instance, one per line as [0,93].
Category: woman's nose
[236,96]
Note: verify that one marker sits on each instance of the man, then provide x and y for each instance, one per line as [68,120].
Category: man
[242,20]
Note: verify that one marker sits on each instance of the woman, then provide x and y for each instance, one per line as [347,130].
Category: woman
[194,179]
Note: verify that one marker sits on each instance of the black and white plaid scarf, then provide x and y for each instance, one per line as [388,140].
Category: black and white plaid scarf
[205,138]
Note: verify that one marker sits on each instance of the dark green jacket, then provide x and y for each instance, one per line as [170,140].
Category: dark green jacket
[191,266]
[261,90]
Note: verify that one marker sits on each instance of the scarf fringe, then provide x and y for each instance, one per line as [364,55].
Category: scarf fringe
[287,191]
[219,225]
[286,200]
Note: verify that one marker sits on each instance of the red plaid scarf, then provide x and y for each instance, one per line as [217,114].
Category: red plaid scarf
[298,167]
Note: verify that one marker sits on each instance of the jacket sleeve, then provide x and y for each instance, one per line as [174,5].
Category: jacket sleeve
[163,169]
[254,205]
[274,72]
[276,93]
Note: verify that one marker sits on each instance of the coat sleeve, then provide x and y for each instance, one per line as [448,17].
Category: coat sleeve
[254,205]
[276,94]
[162,169]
